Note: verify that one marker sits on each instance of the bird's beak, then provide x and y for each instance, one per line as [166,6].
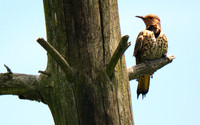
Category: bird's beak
[140,17]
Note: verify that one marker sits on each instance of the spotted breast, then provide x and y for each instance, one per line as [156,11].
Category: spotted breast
[148,47]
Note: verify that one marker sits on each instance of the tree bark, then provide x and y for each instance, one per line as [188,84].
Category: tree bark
[26,86]
[149,67]
[86,34]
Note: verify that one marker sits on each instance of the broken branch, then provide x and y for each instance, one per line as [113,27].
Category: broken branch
[23,85]
[57,56]
[141,69]
[8,69]
[122,46]
[45,73]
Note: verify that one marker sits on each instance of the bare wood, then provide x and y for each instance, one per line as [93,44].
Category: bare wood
[25,86]
[57,56]
[44,72]
[8,69]
[122,46]
[150,67]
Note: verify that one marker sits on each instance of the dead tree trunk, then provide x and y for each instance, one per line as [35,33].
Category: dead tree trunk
[85,33]
[86,80]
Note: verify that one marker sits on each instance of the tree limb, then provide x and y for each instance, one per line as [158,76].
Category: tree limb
[148,68]
[57,56]
[25,86]
[122,46]
[45,73]
[8,69]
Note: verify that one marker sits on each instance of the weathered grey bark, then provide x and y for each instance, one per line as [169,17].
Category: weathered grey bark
[86,34]
[149,67]
[26,86]
[86,80]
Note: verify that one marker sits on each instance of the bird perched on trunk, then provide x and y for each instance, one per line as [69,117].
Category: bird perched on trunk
[150,44]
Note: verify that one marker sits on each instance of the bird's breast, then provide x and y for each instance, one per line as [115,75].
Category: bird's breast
[153,48]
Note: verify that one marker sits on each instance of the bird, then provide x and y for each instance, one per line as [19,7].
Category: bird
[150,44]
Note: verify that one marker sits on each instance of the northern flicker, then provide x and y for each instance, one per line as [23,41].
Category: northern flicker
[150,44]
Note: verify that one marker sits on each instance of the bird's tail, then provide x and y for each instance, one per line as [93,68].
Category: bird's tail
[143,85]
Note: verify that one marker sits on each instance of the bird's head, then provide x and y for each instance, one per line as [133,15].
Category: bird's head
[151,19]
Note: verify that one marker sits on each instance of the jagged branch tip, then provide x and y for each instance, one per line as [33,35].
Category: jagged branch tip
[8,69]
[57,56]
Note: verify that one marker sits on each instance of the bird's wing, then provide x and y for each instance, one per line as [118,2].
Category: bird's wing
[164,43]
[138,46]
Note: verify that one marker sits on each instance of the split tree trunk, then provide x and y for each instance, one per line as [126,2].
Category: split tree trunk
[86,33]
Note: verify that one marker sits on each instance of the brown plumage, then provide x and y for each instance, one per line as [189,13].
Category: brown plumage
[150,44]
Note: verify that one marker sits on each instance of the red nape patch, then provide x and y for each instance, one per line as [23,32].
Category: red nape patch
[159,20]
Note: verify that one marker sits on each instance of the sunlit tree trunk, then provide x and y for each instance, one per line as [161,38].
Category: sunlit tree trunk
[86,33]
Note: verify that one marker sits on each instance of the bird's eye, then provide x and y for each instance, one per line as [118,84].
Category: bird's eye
[151,17]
